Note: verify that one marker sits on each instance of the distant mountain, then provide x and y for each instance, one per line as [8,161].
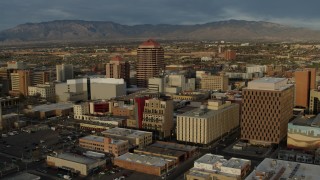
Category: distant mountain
[77,30]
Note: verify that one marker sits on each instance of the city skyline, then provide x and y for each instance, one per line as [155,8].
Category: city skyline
[292,13]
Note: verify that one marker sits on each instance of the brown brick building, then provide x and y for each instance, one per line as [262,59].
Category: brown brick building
[305,81]
[267,108]
[150,62]
[119,69]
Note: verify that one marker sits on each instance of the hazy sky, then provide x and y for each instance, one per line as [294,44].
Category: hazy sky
[297,13]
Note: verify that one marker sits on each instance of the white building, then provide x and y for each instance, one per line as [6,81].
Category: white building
[256,69]
[80,109]
[46,91]
[64,72]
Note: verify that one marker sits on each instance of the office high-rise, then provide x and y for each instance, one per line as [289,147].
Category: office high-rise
[20,80]
[64,72]
[266,110]
[119,69]
[305,81]
[150,62]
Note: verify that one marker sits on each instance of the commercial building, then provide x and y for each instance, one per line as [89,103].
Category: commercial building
[135,137]
[212,166]
[41,77]
[314,103]
[304,81]
[304,133]
[205,125]
[99,107]
[256,68]
[144,163]
[158,117]
[189,150]
[90,89]
[5,80]
[80,109]
[46,91]
[209,82]
[75,163]
[267,107]
[150,62]
[279,169]
[20,80]
[49,110]
[119,69]
[64,72]
[104,144]
[16,65]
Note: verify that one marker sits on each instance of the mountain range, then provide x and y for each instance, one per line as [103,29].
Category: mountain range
[78,30]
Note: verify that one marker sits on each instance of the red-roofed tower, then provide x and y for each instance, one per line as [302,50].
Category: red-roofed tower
[150,62]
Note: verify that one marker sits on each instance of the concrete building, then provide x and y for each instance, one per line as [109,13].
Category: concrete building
[20,80]
[64,72]
[135,137]
[80,109]
[256,68]
[46,91]
[314,102]
[304,133]
[150,62]
[158,117]
[16,65]
[104,144]
[144,163]
[267,107]
[75,163]
[212,166]
[118,69]
[157,84]
[41,77]
[203,126]
[100,107]
[90,89]
[215,83]
[49,110]
[279,169]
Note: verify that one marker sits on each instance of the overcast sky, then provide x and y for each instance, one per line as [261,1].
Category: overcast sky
[296,13]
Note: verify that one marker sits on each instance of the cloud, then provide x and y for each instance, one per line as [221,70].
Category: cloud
[291,12]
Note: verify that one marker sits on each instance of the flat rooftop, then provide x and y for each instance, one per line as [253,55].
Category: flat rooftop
[76,158]
[23,176]
[144,159]
[93,138]
[173,146]
[307,121]
[269,83]
[205,113]
[130,133]
[285,170]
[162,151]
[50,107]
[209,159]
[236,163]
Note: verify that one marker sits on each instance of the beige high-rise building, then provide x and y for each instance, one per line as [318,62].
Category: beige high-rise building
[210,82]
[158,117]
[207,124]
[267,107]
[20,80]
[150,62]
[64,72]
[119,69]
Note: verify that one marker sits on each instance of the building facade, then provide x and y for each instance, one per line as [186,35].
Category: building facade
[205,125]
[314,103]
[46,91]
[118,69]
[150,62]
[20,80]
[158,117]
[64,72]
[215,82]
[267,107]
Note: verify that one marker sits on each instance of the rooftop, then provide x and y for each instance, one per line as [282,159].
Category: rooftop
[150,43]
[54,106]
[267,83]
[125,132]
[284,170]
[236,163]
[209,159]
[76,158]
[307,121]
[93,138]
[144,159]
[162,151]
[174,146]
[116,58]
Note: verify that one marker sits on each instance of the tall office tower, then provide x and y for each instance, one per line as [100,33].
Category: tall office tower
[64,72]
[119,69]
[5,80]
[20,80]
[41,77]
[158,117]
[150,62]
[267,107]
[230,55]
[305,81]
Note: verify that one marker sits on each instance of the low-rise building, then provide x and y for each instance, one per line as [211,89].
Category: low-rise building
[212,166]
[144,163]
[46,91]
[210,82]
[104,144]
[49,110]
[135,137]
[75,163]
[279,169]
